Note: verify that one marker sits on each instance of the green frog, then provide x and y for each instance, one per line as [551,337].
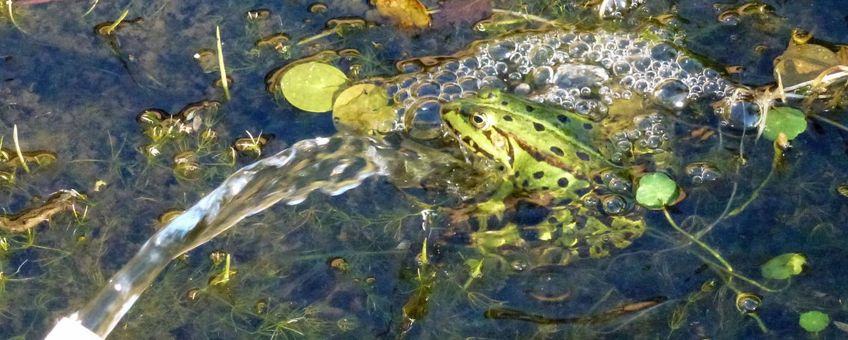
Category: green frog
[550,158]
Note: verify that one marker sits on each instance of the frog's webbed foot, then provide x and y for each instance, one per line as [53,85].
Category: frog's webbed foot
[601,233]
[480,216]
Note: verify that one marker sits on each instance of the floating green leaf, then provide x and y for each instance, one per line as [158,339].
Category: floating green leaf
[656,190]
[364,108]
[790,121]
[784,266]
[311,86]
[814,321]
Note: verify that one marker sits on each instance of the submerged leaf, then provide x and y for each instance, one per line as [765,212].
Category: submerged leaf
[364,108]
[786,120]
[800,63]
[454,12]
[814,321]
[656,190]
[407,13]
[784,266]
[311,86]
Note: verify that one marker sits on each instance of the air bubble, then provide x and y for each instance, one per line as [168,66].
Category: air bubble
[540,55]
[578,49]
[427,89]
[613,204]
[502,50]
[672,94]
[469,84]
[664,51]
[426,120]
[444,77]
[641,85]
[621,68]
[575,75]
[643,64]
[470,63]
[743,115]
[522,89]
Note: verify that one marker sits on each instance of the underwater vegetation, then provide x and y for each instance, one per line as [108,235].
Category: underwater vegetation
[717,130]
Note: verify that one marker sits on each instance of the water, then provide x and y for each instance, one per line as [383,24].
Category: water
[330,165]
[76,94]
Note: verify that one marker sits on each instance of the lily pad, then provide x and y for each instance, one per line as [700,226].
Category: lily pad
[364,108]
[784,266]
[814,321]
[311,86]
[789,121]
[656,190]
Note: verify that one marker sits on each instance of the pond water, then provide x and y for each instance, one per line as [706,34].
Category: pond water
[350,266]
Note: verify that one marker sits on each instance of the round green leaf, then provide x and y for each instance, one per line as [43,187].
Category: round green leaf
[364,108]
[814,321]
[784,266]
[790,121]
[311,86]
[656,190]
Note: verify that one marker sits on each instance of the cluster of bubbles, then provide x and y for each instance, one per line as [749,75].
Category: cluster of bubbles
[647,136]
[702,172]
[581,72]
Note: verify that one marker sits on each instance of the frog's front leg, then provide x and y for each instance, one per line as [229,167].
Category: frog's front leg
[490,210]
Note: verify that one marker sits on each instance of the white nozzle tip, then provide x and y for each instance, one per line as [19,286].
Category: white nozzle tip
[69,328]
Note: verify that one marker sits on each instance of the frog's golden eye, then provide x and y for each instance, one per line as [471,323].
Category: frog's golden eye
[479,120]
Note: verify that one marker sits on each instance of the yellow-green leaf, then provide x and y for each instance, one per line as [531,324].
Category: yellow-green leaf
[311,86]
[790,121]
[784,266]
[814,321]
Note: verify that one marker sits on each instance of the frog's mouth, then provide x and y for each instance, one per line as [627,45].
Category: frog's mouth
[452,132]
[474,150]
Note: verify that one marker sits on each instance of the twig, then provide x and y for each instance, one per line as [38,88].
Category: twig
[223,70]
[90,9]
[110,28]
[18,148]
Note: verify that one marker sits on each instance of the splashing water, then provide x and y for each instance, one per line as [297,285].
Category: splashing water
[331,165]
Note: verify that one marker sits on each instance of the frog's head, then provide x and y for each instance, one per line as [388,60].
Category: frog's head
[501,126]
[475,122]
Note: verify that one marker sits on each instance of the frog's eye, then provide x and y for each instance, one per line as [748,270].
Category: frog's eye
[479,120]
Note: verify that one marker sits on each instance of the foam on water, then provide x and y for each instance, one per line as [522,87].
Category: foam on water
[582,72]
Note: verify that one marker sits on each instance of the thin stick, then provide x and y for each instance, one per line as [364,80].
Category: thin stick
[90,9]
[829,121]
[115,24]
[756,193]
[826,79]
[223,70]
[12,16]
[18,147]
[528,17]
[325,33]
[700,243]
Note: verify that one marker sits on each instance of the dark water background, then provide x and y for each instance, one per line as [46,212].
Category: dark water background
[75,93]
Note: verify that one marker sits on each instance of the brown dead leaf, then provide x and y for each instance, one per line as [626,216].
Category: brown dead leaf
[407,13]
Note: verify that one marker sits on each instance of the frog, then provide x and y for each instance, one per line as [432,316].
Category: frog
[548,157]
